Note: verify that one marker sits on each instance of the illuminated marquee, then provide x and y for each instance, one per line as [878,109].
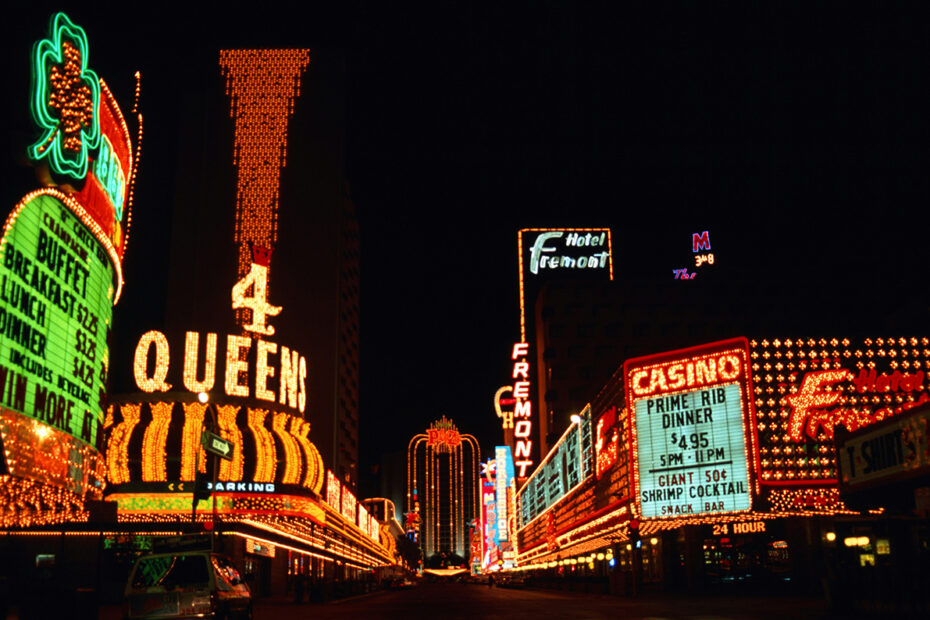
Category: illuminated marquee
[692,442]
[523,410]
[333,491]
[569,463]
[56,299]
[348,506]
[153,443]
[805,388]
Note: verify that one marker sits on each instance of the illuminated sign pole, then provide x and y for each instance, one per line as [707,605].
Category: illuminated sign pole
[523,410]
[693,446]
[544,254]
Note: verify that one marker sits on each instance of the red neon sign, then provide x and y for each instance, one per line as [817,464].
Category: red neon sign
[523,411]
[445,436]
[606,445]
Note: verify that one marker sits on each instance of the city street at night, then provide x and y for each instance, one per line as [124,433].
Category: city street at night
[518,310]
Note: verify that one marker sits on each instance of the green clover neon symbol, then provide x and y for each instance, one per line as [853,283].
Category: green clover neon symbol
[65,99]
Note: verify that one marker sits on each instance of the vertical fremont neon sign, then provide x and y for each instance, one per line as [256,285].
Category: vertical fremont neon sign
[523,410]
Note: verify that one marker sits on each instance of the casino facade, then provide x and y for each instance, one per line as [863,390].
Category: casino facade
[217,421]
[717,467]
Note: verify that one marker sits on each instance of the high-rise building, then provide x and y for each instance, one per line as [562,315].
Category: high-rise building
[442,491]
[263,184]
[584,329]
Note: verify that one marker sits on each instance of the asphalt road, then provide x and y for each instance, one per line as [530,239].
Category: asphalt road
[470,601]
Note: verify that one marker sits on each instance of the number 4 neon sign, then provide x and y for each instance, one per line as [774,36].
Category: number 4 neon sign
[256,281]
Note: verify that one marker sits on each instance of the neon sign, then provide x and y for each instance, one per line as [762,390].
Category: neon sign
[488,519]
[241,378]
[56,296]
[157,442]
[503,476]
[348,506]
[523,412]
[500,402]
[606,443]
[109,171]
[691,439]
[699,241]
[65,100]
[560,251]
[544,256]
[333,491]
[262,85]
[806,388]
[438,435]
[256,280]
[809,413]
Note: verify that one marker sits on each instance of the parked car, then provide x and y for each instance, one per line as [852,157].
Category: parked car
[187,584]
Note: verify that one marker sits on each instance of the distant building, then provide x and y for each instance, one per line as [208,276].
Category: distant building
[442,491]
[584,329]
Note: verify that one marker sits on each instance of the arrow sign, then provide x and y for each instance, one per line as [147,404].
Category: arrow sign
[214,444]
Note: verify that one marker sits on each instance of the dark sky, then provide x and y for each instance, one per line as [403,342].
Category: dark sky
[797,132]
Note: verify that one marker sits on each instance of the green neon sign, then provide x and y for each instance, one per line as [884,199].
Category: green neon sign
[56,306]
[110,173]
[65,100]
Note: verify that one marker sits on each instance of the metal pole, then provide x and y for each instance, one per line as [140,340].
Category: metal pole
[216,466]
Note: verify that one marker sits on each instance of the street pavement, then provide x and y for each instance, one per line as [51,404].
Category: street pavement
[453,600]
[474,601]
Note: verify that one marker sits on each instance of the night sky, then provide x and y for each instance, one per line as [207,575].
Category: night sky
[796,132]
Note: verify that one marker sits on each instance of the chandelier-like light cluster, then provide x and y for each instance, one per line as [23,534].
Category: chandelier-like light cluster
[262,85]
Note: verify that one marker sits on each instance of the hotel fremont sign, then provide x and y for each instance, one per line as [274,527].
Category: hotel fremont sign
[564,250]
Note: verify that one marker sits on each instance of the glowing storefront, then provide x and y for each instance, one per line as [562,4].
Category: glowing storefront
[223,408]
[722,454]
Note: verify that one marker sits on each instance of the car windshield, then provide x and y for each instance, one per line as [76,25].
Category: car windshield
[171,571]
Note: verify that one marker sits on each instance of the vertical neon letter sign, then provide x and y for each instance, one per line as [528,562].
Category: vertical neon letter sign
[523,427]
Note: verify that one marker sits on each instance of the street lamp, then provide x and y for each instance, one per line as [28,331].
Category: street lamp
[215,445]
[575,418]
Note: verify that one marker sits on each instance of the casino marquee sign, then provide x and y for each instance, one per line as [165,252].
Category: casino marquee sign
[60,276]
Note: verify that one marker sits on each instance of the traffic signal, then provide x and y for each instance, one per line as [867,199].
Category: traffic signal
[201,487]
[202,481]
[634,534]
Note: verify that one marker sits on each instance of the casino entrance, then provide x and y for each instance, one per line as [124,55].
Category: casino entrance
[776,556]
